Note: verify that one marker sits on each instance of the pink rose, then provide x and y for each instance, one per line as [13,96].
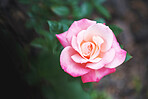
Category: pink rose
[90,50]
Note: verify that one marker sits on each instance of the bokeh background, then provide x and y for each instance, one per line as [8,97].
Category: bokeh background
[30,52]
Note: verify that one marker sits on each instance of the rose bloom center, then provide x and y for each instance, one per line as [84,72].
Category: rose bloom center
[87,49]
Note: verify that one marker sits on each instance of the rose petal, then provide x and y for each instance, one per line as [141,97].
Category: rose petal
[120,55]
[80,38]
[62,38]
[96,75]
[87,51]
[107,58]
[103,31]
[96,60]
[78,26]
[78,59]
[98,41]
[77,40]
[69,66]
[74,44]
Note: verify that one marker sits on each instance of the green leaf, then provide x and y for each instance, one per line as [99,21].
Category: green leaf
[128,57]
[67,22]
[60,10]
[57,27]
[121,46]
[100,20]
[117,30]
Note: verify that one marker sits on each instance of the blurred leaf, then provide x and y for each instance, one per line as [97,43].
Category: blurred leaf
[46,64]
[100,20]
[54,26]
[128,57]
[35,8]
[83,11]
[24,1]
[67,22]
[39,42]
[45,33]
[100,95]
[86,9]
[102,10]
[70,90]
[98,2]
[136,82]
[45,43]
[60,10]
[116,30]
[87,86]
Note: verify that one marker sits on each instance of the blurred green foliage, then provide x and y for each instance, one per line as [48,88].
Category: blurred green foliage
[100,95]
[45,70]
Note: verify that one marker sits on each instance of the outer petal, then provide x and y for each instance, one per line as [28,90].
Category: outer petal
[104,32]
[96,75]
[107,58]
[120,55]
[62,38]
[69,66]
[78,26]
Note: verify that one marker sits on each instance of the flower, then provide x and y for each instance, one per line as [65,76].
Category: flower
[90,50]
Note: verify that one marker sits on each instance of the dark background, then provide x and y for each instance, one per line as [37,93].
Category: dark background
[130,81]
